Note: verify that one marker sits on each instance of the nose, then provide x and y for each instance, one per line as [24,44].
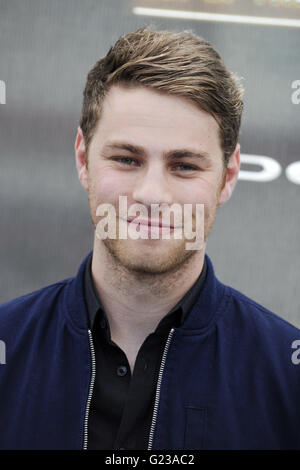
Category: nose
[152,187]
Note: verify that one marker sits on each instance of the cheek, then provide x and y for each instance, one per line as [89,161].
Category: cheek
[202,191]
[206,194]
[107,186]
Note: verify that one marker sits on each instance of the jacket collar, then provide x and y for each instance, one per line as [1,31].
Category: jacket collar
[207,306]
[210,303]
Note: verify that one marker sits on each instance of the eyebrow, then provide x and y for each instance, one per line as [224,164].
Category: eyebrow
[171,154]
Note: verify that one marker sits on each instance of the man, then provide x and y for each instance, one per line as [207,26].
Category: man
[145,348]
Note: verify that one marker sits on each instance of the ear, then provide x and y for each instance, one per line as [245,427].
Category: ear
[81,159]
[230,176]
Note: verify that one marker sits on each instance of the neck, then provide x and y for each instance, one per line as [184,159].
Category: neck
[135,303]
[141,297]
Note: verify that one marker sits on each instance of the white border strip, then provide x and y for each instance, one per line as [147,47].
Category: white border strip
[218,17]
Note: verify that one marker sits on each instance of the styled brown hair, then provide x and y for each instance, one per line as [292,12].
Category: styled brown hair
[177,63]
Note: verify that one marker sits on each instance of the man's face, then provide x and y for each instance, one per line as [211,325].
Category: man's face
[132,153]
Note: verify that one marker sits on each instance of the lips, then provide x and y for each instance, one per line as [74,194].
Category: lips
[149,222]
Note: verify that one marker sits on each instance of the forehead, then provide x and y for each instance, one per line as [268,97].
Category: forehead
[154,119]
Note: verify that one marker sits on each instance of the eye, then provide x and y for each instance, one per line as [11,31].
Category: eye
[125,160]
[184,167]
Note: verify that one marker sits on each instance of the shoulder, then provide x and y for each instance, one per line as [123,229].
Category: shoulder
[32,304]
[254,312]
[252,327]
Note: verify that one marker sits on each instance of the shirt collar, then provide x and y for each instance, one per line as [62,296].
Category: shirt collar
[175,317]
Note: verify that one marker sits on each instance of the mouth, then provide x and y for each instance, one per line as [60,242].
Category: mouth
[150,223]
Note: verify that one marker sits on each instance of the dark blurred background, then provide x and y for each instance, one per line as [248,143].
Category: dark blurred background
[46,49]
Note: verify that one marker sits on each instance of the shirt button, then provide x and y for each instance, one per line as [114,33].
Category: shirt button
[121,371]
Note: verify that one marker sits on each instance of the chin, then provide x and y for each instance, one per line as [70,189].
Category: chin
[148,259]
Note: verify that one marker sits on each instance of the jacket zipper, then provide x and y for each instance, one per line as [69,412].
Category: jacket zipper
[157,395]
[88,403]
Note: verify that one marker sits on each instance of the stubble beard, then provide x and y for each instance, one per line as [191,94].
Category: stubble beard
[143,257]
[150,257]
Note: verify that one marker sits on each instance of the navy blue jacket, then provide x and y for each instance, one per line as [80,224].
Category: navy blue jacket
[227,377]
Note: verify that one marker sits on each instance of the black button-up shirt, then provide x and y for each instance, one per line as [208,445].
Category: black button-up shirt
[122,403]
